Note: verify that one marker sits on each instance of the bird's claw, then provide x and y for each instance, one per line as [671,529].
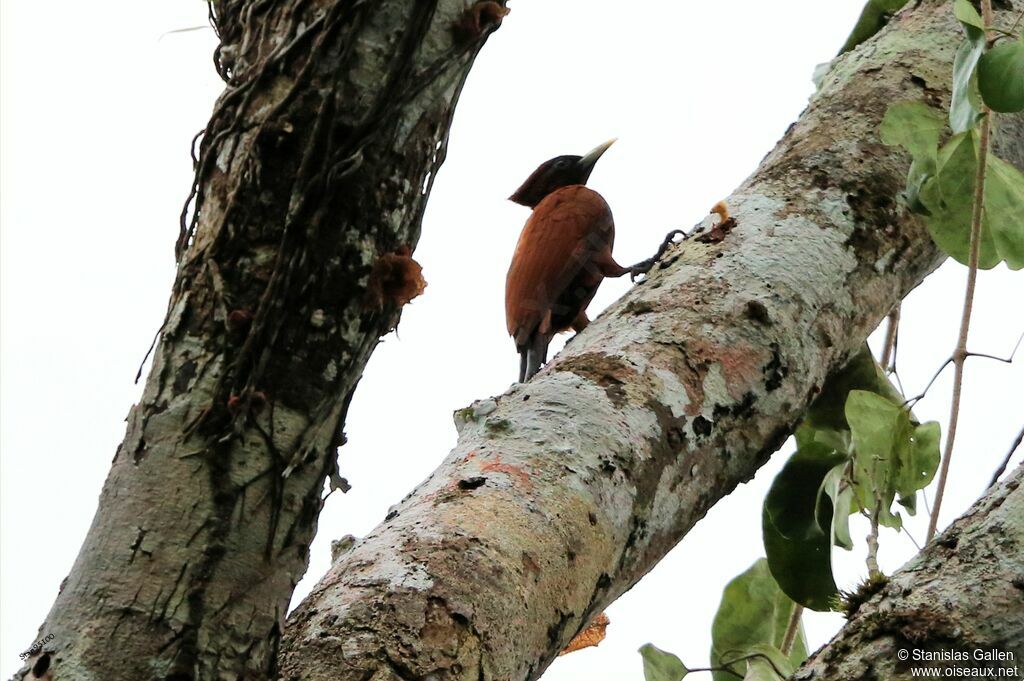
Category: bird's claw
[645,266]
[641,268]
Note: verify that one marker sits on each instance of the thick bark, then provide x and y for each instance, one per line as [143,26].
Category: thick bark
[563,492]
[311,181]
[963,593]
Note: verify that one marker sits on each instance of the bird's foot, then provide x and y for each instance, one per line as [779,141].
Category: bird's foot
[645,266]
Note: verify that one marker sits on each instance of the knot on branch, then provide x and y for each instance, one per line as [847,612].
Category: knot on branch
[478,21]
[395,279]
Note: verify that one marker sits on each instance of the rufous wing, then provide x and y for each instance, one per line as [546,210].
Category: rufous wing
[564,244]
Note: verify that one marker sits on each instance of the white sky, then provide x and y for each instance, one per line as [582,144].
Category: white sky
[97,113]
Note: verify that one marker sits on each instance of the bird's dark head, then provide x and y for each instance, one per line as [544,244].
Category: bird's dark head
[560,171]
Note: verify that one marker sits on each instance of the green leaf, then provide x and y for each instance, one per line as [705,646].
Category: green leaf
[799,552]
[1001,77]
[860,373]
[909,503]
[949,199]
[839,440]
[872,20]
[963,114]
[893,455]
[875,423]
[890,6]
[835,516]
[768,665]
[792,500]
[968,16]
[920,172]
[754,611]
[1004,210]
[921,459]
[660,665]
[915,126]
[963,109]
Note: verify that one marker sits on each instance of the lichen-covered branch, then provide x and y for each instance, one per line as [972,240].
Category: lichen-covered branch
[963,593]
[293,259]
[564,491]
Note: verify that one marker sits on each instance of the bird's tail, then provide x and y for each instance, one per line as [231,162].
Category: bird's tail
[532,356]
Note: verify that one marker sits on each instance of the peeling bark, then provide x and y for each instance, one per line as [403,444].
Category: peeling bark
[311,180]
[964,592]
[564,491]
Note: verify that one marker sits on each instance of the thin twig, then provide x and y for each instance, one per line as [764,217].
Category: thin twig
[960,354]
[889,347]
[899,381]
[910,537]
[149,352]
[183,30]
[917,398]
[715,669]
[1017,21]
[792,629]
[1006,460]
[727,666]
[1005,360]
[872,541]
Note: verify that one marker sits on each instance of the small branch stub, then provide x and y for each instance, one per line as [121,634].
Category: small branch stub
[591,636]
[477,21]
[395,279]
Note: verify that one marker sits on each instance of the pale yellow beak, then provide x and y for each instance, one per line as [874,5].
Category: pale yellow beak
[590,159]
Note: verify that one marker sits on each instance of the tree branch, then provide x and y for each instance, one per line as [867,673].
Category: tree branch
[311,178]
[1006,460]
[563,492]
[964,592]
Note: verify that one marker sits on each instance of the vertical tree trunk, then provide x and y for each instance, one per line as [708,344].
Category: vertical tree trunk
[565,491]
[311,181]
